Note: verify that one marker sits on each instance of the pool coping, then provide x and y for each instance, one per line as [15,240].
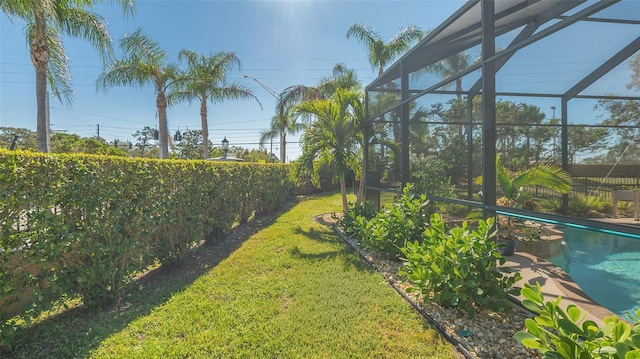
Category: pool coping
[555,282]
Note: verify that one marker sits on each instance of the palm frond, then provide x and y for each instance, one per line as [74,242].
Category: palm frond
[25,10]
[140,45]
[126,72]
[368,36]
[58,73]
[88,26]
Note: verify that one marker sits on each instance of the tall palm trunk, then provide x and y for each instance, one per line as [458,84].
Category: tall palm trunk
[161,103]
[205,127]
[360,195]
[343,193]
[459,98]
[283,146]
[40,58]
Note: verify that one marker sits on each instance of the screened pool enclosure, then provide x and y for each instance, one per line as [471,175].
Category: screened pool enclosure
[515,84]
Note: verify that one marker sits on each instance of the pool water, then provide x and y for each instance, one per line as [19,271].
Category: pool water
[605,266]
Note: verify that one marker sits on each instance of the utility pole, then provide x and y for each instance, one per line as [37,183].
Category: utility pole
[98,131]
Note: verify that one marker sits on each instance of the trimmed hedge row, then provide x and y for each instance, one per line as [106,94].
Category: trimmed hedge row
[82,226]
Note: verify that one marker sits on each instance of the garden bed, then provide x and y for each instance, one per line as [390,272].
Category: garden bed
[487,335]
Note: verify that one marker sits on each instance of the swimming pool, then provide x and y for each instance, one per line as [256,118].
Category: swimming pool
[605,266]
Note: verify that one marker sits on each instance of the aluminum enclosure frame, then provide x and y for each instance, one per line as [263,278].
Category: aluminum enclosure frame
[479,23]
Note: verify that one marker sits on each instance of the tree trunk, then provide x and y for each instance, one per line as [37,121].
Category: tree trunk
[283,147]
[40,58]
[205,128]
[161,104]
[360,196]
[343,192]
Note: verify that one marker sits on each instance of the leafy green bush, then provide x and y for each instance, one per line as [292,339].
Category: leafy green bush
[366,210]
[559,333]
[582,205]
[458,267]
[81,226]
[455,210]
[398,223]
[429,177]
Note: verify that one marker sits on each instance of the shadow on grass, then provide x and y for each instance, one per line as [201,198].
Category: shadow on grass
[76,331]
[324,236]
[349,257]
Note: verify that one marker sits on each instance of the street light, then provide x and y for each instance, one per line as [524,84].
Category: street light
[273,93]
[225,146]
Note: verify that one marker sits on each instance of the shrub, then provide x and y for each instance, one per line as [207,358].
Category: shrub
[584,205]
[559,333]
[458,267]
[81,226]
[366,210]
[398,223]
[455,210]
[429,177]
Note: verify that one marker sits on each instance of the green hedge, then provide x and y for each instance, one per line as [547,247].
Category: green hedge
[82,226]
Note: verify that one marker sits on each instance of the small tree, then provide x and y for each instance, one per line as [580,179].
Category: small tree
[332,138]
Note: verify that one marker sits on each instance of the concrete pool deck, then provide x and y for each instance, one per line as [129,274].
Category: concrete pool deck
[555,282]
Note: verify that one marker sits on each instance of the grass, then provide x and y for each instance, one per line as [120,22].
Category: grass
[290,290]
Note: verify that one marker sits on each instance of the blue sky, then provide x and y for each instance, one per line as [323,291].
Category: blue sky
[281,43]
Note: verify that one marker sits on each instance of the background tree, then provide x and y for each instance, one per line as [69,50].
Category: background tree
[255,155]
[446,139]
[379,52]
[26,139]
[451,66]
[286,118]
[145,142]
[341,77]
[206,80]
[143,63]
[285,121]
[624,146]
[634,65]
[73,143]
[267,136]
[191,145]
[591,140]
[47,21]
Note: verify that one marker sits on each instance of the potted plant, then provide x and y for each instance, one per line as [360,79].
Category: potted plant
[513,185]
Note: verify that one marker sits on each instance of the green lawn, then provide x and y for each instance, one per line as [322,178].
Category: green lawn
[291,290]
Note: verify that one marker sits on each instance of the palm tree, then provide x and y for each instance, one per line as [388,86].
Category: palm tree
[282,124]
[47,21]
[206,79]
[381,53]
[345,78]
[144,63]
[285,120]
[341,77]
[451,66]
[333,138]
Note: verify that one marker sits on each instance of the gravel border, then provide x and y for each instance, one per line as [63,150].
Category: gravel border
[487,335]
